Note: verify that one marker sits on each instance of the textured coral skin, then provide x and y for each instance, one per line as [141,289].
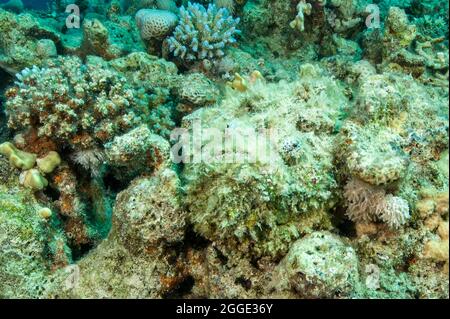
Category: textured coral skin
[351,202]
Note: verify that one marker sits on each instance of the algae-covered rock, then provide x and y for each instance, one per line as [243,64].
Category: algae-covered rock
[20,44]
[319,265]
[139,151]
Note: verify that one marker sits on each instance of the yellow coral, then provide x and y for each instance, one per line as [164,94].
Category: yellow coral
[17,158]
[241,84]
[255,76]
[33,179]
[48,163]
[45,213]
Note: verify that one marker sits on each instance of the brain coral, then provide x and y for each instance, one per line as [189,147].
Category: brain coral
[373,154]
[154,23]
[203,33]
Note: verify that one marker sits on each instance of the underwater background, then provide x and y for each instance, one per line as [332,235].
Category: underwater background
[224,149]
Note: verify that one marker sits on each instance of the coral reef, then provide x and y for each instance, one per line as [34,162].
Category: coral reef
[366,202]
[224,149]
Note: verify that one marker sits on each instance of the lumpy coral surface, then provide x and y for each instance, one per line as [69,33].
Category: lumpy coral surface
[224,149]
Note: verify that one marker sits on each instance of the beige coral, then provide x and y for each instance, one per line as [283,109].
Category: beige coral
[367,203]
[303,9]
[438,249]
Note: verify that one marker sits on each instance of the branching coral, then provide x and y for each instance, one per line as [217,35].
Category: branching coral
[203,33]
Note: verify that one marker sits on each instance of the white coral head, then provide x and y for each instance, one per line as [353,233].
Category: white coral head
[155,24]
[395,211]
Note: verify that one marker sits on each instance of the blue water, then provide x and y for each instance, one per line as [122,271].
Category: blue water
[34,4]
